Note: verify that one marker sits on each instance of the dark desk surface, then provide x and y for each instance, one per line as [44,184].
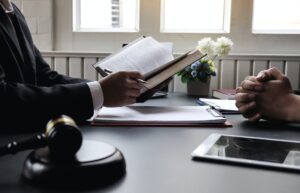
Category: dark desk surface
[158,159]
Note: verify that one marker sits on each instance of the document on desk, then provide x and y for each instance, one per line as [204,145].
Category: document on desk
[160,116]
[225,106]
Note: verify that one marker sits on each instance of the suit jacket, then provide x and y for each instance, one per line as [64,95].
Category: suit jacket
[30,92]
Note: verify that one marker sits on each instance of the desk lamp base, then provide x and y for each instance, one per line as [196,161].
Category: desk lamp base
[95,164]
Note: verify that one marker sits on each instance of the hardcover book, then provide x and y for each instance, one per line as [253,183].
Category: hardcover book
[151,59]
[224,93]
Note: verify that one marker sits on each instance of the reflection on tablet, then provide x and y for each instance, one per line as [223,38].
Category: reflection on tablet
[261,151]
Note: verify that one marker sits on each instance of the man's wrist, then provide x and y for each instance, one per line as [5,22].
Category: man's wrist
[293,109]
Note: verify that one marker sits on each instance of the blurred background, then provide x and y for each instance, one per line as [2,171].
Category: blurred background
[72,34]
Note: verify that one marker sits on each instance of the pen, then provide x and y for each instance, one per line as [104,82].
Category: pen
[100,71]
[211,104]
[138,80]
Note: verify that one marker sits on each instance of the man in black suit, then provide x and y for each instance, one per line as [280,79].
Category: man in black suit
[31,93]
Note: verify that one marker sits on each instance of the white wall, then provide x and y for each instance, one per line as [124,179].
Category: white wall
[245,41]
[54,31]
[39,17]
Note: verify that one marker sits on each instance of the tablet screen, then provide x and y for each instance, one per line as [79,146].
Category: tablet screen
[251,150]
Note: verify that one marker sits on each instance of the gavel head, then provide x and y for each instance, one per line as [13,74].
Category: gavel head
[63,136]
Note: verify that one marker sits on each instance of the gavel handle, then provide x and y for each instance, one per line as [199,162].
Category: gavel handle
[14,147]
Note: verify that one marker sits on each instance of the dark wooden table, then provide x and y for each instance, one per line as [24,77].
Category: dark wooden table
[158,159]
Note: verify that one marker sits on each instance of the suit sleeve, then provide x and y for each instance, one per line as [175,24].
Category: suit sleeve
[26,106]
[30,105]
[48,77]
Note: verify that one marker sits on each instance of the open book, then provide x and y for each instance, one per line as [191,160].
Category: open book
[150,58]
[159,116]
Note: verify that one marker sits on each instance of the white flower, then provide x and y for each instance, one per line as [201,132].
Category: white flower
[223,46]
[206,46]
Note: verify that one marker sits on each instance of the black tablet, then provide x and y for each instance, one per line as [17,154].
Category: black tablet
[267,152]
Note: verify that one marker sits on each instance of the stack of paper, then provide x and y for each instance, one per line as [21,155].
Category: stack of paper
[160,116]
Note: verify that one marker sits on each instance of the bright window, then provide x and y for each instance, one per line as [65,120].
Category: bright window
[276,16]
[106,15]
[195,16]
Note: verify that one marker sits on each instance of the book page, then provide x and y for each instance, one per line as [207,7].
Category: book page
[143,55]
[164,66]
[178,65]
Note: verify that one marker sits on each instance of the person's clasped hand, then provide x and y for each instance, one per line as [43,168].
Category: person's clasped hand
[246,98]
[121,88]
[269,95]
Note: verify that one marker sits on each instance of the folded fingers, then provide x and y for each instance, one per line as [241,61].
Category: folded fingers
[251,84]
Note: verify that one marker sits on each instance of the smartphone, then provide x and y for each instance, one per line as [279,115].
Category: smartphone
[266,152]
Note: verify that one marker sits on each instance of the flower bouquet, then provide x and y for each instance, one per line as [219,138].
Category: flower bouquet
[203,69]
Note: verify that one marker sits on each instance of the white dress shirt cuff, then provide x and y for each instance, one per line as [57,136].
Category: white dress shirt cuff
[97,94]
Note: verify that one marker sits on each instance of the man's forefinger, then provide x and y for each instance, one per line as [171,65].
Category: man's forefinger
[270,74]
[251,85]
